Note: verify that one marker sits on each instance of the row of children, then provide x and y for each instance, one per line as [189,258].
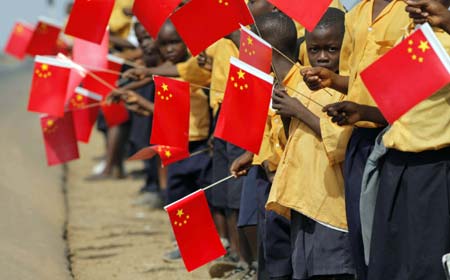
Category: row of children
[296,214]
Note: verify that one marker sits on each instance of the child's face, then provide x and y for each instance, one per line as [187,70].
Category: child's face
[259,7]
[324,48]
[170,44]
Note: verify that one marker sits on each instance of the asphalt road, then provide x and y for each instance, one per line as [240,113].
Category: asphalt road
[32,211]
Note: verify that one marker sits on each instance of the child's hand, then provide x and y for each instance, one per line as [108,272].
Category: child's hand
[344,113]
[317,77]
[431,11]
[240,166]
[205,61]
[285,105]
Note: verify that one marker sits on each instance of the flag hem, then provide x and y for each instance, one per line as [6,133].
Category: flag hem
[256,36]
[252,70]
[88,93]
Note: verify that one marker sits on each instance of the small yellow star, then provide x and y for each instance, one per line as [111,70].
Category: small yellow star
[424,46]
[50,123]
[420,59]
[241,74]
[168,154]
[410,42]
[414,57]
[249,40]
[410,50]
[180,213]
[165,87]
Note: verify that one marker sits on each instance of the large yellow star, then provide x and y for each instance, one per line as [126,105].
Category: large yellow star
[241,74]
[19,28]
[44,67]
[180,213]
[50,123]
[168,154]
[249,40]
[165,87]
[424,46]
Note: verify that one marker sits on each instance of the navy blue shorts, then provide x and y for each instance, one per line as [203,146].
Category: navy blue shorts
[359,148]
[248,212]
[189,175]
[318,250]
[228,194]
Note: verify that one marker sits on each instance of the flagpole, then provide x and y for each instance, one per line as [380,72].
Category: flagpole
[203,189]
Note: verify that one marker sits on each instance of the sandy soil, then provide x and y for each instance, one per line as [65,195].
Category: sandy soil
[108,237]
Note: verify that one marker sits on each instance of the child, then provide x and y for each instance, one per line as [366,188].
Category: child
[308,184]
[372,28]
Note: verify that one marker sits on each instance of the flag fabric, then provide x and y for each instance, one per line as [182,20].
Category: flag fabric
[255,51]
[59,139]
[193,21]
[75,79]
[115,63]
[89,19]
[19,39]
[167,154]
[153,13]
[171,113]
[392,79]
[115,114]
[194,230]
[84,117]
[45,38]
[247,87]
[308,13]
[49,86]
[91,55]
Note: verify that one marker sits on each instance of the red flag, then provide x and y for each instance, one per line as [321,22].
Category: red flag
[153,13]
[18,40]
[306,12]
[49,86]
[115,63]
[255,51]
[59,139]
[84,115]
[91,55]
[393,79]
[247,88]
[115,114]
[194,230]
[89,19]
[167,154]
[193,21]
[45,38]
[171,113]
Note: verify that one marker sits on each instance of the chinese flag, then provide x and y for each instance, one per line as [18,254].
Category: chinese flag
[194,230]
[255,51]
[393,80]
[171,114]
[247,87]
[49,86]
[167,154]
[59,139]
[193,21]
[91,55]
[89,19]
[18,40]
[153,13]
[84,113]
[115,63]
[308,13]
[45,38]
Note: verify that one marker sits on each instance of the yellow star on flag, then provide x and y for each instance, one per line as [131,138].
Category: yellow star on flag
[168,154]
[165,87]
[180,213]
[164,96]
[424,46]
[19,29]
[250,40]
[241,74]
[223,2]
[43,71]
[43,27]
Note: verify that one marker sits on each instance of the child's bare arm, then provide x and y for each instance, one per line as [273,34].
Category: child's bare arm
[318,77]
[349,113]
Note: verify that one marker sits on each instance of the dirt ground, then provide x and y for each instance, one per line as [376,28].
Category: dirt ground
[108,237]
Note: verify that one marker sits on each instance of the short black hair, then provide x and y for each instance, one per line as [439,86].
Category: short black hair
[333,18]
[278,30]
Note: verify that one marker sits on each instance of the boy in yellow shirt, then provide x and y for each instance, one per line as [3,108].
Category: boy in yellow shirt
[308,184]
[372,29]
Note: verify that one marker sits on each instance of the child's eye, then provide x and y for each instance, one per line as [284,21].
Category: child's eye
[313,50]
[332,49]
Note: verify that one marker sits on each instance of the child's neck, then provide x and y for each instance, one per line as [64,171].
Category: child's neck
[378,7]
[281,66]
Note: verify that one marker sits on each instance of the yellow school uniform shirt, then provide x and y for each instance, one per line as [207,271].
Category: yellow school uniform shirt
[309,177]
[199,120]
[191,72]
[427,125]
[274,138]
[119,23]
[221,52]
[366,40]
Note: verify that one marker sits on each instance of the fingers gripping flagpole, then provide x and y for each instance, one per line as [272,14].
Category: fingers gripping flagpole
[203,189]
